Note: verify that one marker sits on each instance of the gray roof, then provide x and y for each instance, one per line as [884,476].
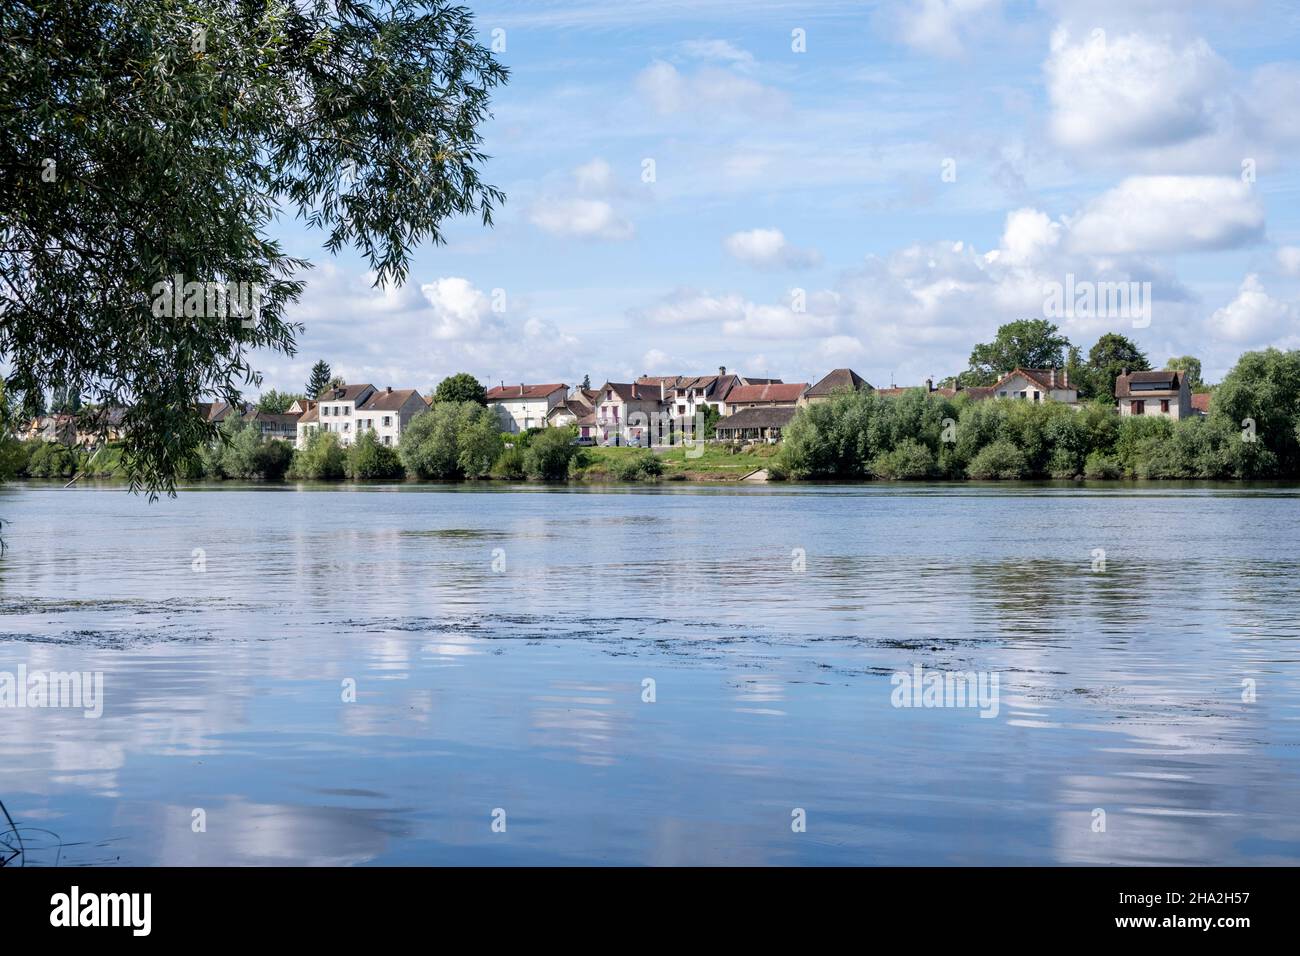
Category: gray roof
[838,379]
[772,416]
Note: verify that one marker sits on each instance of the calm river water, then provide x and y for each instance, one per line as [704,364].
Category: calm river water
[504,645]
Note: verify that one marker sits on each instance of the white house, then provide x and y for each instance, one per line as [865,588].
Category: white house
[388,412]
[521,407]
[1037,385]
[1163,392]
[336,412]
[631,414]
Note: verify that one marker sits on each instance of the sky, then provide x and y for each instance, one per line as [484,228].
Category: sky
[783,188]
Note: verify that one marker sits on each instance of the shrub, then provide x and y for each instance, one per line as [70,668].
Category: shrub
[548,455]
[1099,466]
[369,458]
[909,461]
[321,458]
[451,440]
[642,466]
[509,464]
[998,461]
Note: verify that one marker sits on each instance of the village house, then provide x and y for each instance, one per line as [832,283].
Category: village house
[60,428]
[388,411]
[688,394]
[521,407]
[630,414]
[763,396]
[577,410]
[336,412]
[1163,392]
[1037,384]
[283,427]
[759,423]
[836,380]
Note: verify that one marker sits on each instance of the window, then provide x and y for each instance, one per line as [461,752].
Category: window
[1036,396]
[388,439]
[1002,394]
[1164,405]
[388,421]
[347,409]
[324,410]
[1137,407]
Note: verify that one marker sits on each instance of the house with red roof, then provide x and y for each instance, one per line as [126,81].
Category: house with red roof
[521,407]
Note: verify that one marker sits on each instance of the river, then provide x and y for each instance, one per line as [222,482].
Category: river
[671,674]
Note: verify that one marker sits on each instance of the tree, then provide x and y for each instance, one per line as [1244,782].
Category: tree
[1107,360]
[451,440]
[586,383]
[1190,366]
[152,139]
[369,458]
[277,403]
[549,454]
[461,387]
[1258,402]
[319,380]
[322,457]
[1028,343]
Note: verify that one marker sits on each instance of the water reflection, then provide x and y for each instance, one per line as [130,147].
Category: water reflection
[520,684]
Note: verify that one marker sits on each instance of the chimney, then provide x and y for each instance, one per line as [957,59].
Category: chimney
[521,389]
[1124,371]
[929,385]
[1052,379]
[722,370]
[661,390]
[388,390]
[1065,378]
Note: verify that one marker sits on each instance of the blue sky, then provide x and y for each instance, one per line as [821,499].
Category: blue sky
[1101,140]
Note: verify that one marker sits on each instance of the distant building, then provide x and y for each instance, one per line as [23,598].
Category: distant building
[336,410]
[1201,403]
[756,424]
[685,395]
[1036,385]
[629,413]
[575,410]
[521,407]
[283,427]
[761,396]
[1163,392]
[836,380]
[387,413]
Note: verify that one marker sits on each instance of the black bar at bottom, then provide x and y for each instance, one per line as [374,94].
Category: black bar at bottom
[337,905]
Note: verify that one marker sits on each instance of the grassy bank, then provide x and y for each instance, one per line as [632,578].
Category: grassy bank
[715,463]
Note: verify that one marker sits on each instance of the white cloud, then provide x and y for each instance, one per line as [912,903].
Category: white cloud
[588,215]
[722,50]
[1132,91]
[414,335]
[1288,260]
[582,218]
[596,176]
[1028,236]
[1152,214]
[1254,317]
[942,27]
[768,249]
[710,92]
[458,310]
[739,317]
